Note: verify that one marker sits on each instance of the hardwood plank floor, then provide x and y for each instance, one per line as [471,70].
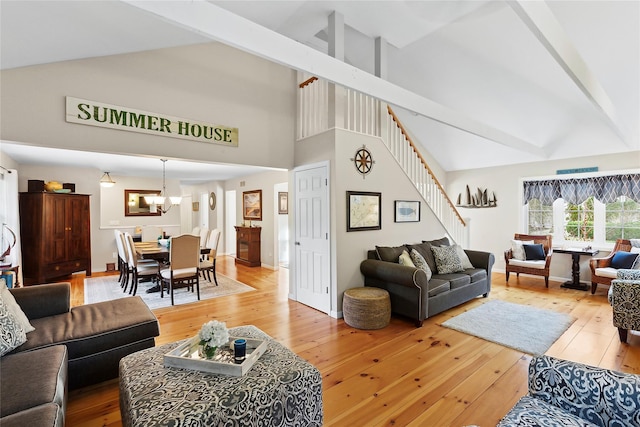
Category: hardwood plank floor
[399,375]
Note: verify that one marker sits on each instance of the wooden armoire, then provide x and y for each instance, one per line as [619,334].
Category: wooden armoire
[55,235]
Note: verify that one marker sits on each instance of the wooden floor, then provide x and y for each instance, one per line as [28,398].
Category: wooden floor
[399,375]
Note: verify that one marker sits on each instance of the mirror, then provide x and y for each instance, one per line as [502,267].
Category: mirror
[135,205]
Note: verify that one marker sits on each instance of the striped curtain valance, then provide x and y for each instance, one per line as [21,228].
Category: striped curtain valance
[576,190]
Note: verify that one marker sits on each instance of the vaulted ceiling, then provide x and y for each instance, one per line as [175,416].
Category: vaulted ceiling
[478,83]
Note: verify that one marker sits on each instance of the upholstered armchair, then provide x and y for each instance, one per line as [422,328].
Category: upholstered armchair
[564,393]
[602,273]
[521,263]
[624,296]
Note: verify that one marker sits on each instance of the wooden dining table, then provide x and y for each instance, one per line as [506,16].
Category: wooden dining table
[154,250]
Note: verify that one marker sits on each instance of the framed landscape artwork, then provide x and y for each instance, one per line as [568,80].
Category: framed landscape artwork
[406,211]
[252,205]
[364,211]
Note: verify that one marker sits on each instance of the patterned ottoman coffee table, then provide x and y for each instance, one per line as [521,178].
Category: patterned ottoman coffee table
[280,389]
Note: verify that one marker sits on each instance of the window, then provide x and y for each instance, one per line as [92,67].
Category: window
[597,209]
[540,217]
[622,219]
[579,221]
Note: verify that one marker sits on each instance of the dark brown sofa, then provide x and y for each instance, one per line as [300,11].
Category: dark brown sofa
[414,296]
[93,337]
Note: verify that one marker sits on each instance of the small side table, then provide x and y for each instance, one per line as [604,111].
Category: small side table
[575,266]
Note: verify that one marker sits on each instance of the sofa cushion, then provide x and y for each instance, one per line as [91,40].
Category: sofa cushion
[607,272]
[540,265]
[438,286]
[421,263]
[48,365]
[390,253]
[476,274]
[447,259]
[424,249]
[12,333]
[94,328]
[623,260]
[14,308]
[456,280]
[49,414]
[534,252]
[530,411]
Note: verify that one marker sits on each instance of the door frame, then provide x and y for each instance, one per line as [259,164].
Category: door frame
[293,270]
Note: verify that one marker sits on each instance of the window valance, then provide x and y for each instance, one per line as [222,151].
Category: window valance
[576,190]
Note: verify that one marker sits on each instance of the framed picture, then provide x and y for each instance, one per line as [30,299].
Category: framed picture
[252,205]
[406,211]
[195,206]
[364,211]
[283,202]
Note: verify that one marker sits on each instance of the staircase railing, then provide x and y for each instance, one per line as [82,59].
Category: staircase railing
[415,166]
[365,114]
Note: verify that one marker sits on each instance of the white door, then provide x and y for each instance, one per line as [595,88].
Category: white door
[313,267]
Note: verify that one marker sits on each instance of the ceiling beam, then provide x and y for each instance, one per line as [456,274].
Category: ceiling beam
[545,27]
[221,25]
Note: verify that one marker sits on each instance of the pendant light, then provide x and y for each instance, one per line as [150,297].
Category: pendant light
[106,180]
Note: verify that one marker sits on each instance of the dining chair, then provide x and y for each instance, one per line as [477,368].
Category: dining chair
[137,269]
[204,238]
[184,257]
[209,265]
[123,264]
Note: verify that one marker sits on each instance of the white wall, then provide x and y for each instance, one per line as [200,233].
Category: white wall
[210,82]
[266,182]
[350,248]
[492,228]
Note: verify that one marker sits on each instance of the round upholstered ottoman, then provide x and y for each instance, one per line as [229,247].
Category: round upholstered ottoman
[366,308]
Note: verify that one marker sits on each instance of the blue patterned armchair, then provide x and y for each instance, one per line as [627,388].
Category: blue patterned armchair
[624,296]
[564,393]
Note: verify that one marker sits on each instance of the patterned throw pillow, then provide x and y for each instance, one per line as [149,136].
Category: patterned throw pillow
[517,248]
[421,263]
[14,308]
[447,259]
[12,334]
[405,259]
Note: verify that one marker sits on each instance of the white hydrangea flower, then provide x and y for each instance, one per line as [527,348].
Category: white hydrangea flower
[214,334]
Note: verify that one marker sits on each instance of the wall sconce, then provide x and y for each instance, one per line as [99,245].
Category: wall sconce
[106,180]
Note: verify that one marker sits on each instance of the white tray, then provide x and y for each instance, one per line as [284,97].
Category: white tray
[187,356]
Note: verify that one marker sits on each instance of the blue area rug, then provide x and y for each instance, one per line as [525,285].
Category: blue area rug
[521,327]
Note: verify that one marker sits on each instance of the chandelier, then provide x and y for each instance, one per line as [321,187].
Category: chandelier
[160,202]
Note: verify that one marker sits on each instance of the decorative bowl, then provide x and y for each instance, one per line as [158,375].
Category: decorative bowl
[53,186]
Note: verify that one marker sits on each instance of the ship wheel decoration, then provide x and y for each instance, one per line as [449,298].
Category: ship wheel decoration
[363,161]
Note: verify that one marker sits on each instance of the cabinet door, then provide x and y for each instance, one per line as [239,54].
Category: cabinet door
[77,224]
[55,229]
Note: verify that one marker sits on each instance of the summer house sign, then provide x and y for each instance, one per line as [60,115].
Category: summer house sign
[99,114]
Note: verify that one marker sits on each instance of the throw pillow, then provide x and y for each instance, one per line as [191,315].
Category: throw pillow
[424,249]
[12,334]
[14,308]
[405,259]
[443,241]
[517,248]
[623,259]
[421,263]
[390,254]
[447,259]
[464,258]
[534,252]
